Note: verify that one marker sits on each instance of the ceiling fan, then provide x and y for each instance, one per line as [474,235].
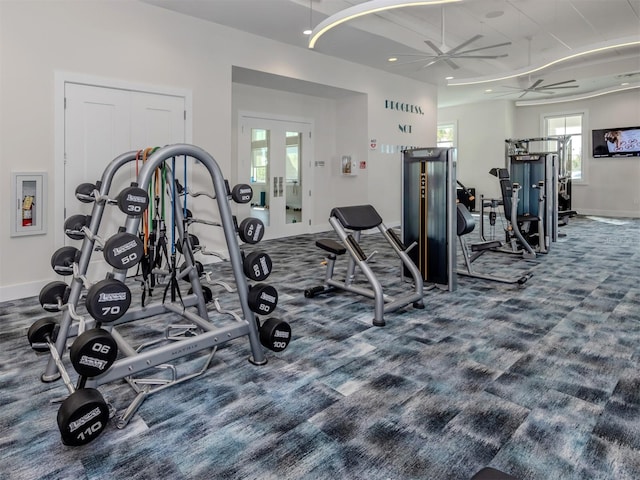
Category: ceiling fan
[537,87]
[447,55]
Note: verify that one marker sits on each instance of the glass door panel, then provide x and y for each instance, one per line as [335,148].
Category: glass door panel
[260,174]
[293,177]
[272,158]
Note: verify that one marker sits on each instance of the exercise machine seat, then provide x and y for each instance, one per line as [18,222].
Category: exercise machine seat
[358,217]
[331,246]
[466,224]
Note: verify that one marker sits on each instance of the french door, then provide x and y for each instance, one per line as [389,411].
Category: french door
[274,158]
[102,123]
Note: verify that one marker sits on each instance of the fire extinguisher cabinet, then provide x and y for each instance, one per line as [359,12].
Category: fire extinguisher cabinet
[28,213]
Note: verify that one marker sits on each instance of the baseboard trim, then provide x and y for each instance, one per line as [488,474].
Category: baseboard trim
[22,290]
[610,213]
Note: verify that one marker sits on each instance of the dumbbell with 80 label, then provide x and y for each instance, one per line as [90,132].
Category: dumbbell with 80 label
[84,413]
[262,298]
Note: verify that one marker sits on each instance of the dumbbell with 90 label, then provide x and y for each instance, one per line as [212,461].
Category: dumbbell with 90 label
[84,414]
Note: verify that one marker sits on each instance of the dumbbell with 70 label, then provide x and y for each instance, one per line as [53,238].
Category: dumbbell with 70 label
[106,301]
[84,414]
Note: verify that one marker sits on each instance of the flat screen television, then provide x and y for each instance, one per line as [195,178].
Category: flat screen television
[616,142]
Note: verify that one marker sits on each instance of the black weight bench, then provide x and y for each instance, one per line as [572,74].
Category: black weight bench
[466,225]
[349,223]
[331,246]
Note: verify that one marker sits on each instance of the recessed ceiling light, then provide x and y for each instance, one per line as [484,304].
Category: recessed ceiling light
[624,84]
[488,90]
[307,32]
[392,59]
[448,78]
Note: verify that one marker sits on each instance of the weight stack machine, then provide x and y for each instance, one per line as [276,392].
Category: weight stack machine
[548,159]
[534,170]
[429,213]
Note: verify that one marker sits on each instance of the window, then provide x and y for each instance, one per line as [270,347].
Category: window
[292,166]
[569,125]
[259,155]
[446,135]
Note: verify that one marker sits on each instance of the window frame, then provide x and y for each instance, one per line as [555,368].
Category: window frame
[585,153]
[454,128]
[257,145]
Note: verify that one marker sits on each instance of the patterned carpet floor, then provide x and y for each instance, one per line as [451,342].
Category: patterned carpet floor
[540,381]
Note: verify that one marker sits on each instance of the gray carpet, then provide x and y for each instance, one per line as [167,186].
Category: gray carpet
[541,382]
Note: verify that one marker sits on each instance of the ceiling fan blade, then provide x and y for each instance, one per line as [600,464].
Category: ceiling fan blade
[486,48]
[464,44]
[432,62]
[560,83]
[509,86]
[434,47]
[462,55]
[451,64]
[422,55]
[411,62]
[524,93]
[535,85]
[551,87]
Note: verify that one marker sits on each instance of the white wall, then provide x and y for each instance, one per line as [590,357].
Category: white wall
[481,131]
[340,128]
[612,186]
[140,43]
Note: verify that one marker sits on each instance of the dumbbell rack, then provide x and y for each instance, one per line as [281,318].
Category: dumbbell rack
[133,361]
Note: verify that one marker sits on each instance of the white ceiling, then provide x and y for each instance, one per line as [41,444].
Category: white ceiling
[539,31]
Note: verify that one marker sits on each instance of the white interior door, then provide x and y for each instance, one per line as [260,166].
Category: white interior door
[274,156]
[100,124]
